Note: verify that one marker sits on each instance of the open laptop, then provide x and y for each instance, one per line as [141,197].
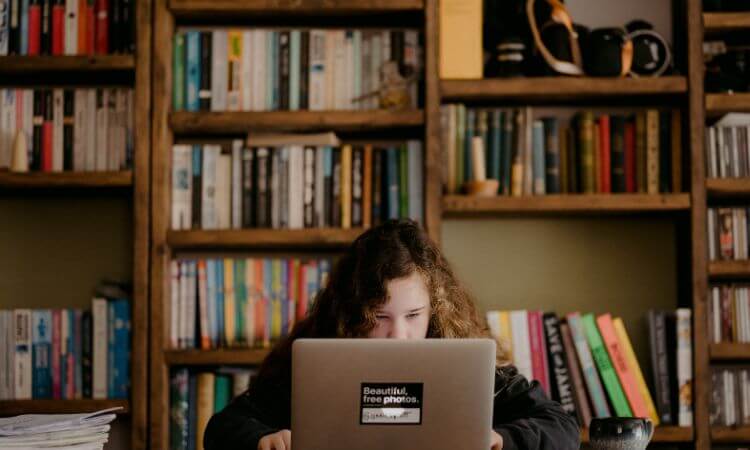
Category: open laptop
[368,394]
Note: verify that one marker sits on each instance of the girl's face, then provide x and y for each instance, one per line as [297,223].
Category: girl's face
[406,312]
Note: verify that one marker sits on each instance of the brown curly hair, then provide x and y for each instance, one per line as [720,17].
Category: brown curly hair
[346,306]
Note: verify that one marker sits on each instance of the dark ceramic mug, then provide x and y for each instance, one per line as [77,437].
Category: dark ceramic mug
[620,433]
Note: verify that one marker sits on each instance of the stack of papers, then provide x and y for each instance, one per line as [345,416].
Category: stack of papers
[88,431]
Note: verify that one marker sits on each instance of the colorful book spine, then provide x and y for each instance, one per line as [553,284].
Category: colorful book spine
[590,374]
[604,364]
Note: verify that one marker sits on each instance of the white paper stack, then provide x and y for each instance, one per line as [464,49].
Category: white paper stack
[89,431]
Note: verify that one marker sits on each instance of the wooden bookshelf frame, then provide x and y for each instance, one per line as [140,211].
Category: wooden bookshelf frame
[136,181]
[168,125]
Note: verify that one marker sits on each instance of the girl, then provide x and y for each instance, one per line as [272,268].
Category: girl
[392,282]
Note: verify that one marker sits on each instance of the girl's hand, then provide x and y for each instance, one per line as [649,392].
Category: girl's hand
[496,441]
[281,440]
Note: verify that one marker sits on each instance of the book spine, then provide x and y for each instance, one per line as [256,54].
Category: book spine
[415,180]
[304,78]
[403,181]
[247,71]
[665,151]
[522,356]
[684,367]
[283,69]
[23,27]
[309,187]
[236,185]
[590,374]
[356,179]
[560,378]
[68,129]
[538,143]
[604,364]
[537,350]
[4,27]
[652,151]
[586,144]
[209,214]
[41,354]
[219,70]
[551,156]
[617,147]
[204,91]
[624,373]
[204,405]
[100,348]
[659,364]
[178,417]
[248,188]
[22,362]
[178,72]
[581,397]
[392,183]
[632,362]
[192,71]
[86,354]
[630,158]
[195,188]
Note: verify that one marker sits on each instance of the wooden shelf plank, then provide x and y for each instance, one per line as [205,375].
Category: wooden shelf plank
[725,21]
[263,238]
[723,103]
[247,356]
[49,406]
[728,187]
[728,351]
[66,179]
[730,434]
[462,205]
[729,269]
[94,63]
[559,88]
[183,122]
[662,434]
[286,7]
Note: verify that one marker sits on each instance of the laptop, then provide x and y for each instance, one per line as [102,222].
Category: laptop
[368,394]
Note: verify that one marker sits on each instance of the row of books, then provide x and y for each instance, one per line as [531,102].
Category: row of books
[730,396]
[588,365]
[291,69]
[530,156]
[729,313]
[727,233]
[728,147]
[194,396]
[66,27]
[68,129]
[66,353]
[295,186]
[238,302]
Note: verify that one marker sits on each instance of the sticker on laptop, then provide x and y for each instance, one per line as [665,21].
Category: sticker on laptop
[390,404]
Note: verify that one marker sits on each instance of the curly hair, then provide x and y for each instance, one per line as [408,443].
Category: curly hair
[357,287]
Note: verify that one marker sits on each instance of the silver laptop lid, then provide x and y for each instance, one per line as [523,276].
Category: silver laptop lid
[362,394]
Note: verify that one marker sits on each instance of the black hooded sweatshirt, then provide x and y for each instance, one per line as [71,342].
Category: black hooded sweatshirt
[522,414]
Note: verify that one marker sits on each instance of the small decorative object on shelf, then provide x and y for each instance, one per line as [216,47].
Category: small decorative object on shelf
[615,433]
[20,161]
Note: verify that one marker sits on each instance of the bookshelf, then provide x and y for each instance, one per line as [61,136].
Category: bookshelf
[462,205]
[61,64]
[171,127]
[42,180]
[114,70]
[241,122]
[729,351]
[559,88]
[719,192]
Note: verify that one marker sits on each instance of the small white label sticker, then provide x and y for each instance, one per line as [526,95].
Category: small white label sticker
[391,404]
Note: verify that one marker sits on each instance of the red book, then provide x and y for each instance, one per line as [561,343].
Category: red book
[539,368]
[630,157]
[47,133]
[82,18]
[35,28]
[58,28]
[101,39]
[605,168]
[55,366]
[302,296]
[90,27]
[624,372]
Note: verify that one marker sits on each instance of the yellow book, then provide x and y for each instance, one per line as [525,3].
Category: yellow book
[346,186]
[229,306]
[234,70]
[205,405]
[276,299]
[627,350]
[252,298]
[460,25]
[506,335]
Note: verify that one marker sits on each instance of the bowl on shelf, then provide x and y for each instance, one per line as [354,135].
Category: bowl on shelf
[620,433]
[484,188]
